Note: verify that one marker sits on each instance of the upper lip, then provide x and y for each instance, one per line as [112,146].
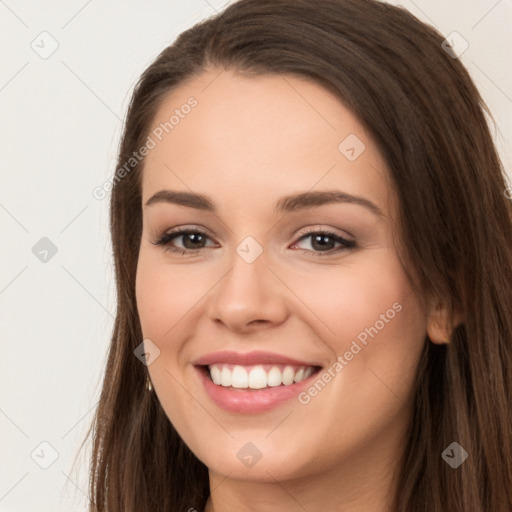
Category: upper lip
[249,359]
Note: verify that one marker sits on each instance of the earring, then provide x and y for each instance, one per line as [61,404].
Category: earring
[149,386]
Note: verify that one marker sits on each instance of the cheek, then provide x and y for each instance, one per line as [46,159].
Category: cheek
[368,299]
[372,321]
[165,300]
[165,294]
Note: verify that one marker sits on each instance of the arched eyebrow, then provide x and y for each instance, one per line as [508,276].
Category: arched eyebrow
[305,200]
[286,204]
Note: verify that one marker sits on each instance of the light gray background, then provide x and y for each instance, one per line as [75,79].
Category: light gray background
[61,122]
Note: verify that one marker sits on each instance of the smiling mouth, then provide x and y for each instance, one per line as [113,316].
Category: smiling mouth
[254,377]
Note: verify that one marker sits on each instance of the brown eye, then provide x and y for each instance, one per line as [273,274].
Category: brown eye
[322,243]
[191,239]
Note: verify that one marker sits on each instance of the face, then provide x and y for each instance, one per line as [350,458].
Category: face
[285,277]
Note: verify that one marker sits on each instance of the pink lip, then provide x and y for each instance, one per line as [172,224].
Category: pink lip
[249,359]
[251,401]
[246,401]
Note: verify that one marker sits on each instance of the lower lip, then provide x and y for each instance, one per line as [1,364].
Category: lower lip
[248,401]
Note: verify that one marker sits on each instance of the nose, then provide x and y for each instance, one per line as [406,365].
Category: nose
[249,297]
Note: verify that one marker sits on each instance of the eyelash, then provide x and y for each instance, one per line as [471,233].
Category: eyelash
[166,238]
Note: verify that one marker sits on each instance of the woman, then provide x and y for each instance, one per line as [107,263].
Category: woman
[312,244]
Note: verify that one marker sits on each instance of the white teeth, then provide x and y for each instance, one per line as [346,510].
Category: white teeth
[274,377]
[216,374]
[225,377]
[239,377]
[298,375]
[255,377]
[288,375]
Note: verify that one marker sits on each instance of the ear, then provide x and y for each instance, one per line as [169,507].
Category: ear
[440,325]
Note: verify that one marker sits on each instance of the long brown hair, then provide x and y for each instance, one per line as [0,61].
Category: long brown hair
[428,120]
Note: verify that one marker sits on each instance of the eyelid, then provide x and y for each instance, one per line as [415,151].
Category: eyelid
[321,228]
[346,244]
[170,234]
[186,229]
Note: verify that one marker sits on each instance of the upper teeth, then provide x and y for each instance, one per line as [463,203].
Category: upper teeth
[257,377]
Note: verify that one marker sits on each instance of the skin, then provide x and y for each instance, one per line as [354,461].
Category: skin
[248,142]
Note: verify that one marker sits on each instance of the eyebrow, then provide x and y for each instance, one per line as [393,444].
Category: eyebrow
[286,204]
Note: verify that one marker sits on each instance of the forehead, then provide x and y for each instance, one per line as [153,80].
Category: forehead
[260,137]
